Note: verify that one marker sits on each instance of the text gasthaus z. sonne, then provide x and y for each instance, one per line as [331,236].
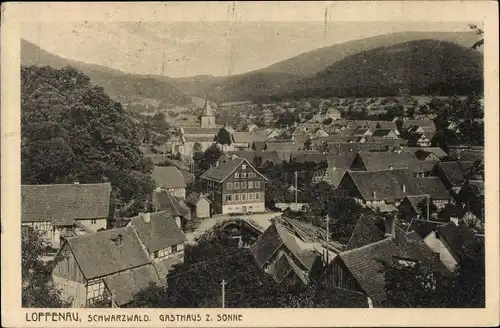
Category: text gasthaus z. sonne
[199,317]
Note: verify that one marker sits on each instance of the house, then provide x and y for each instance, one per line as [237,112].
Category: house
[422,168]
[418,140]
[333,113]
[385,133]
[435,188]
[169,178]
[235,186]
[425,126]
[379,190]
[362,269]
[101,266]
[427,153]
[450,242]
[452,173]
[348,147]
[410,207]
[373,161]
[337,167]
[245,140]
[368,229]
[162,200]
[63,210]
[162,237]
[199,204]
[278,253]
[258,157]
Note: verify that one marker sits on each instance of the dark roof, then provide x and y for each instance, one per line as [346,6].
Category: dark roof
[415,200]
[194,197]
[97,254]
[422,227]
[432,186]
[368,230]
[385,160]
[160,232]
[348,147]
[340,161]
[469,155]
[259,145]
[225,166]
[168,177]
[125,285]
[366,263]
[249,137]
[281,268]
[306,157]
[454,171]
[63,203]
[336,138]
[387,184]
[429,124]
[266,245]
[457,238]
[164,201]
[421,152]
[422,167]
[478,186]
[250,155]
[381,132]
[283,145]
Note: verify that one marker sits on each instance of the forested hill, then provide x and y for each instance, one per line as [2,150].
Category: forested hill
[118,85]
[317,60]
[418,67]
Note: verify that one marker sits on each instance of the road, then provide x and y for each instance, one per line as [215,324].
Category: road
[262,219]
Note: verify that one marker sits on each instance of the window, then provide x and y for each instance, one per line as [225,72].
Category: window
[243,185]
[243,197]
[244,175]
[236,197]
[229,186]
[229,198]
[257,196]
[250,184]
[236,185]
[174,248]
[93,221]
[236,175]
[244,167]
[155,254]
[257,184]
[250,196]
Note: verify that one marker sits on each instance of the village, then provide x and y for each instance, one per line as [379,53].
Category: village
[296,191]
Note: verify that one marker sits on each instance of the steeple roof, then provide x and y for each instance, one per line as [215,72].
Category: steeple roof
[207,109]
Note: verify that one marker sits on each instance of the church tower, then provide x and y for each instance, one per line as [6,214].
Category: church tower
[207,116]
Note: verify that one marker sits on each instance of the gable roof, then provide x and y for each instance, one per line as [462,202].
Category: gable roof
[225,166]
[366,263]
[382,185]
[97,254]
[422,167]
[125,285]
[456,237]
[423,227]
[159,233]
[63,203]
[168,177]
[347,147]
[368,230]
[455,170]
[382,132]
[249,137]
[415,200]
[194,197]
[340,161]
[164,201]
[250,155]
[385,160]
[309,157]
[426,124]
[432,186]
[282,145]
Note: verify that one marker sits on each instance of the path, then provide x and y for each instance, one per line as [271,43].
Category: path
[262,219]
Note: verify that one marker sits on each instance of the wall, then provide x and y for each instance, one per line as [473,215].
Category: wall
[99,224]
[177,192]
[67,276]
[437,246]
[203,208]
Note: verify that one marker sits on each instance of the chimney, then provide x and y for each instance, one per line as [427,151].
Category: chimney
[374,194]
[146,217]
[404,188]
[390,226]
[76,182]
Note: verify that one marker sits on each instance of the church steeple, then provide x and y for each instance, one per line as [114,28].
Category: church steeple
[207,115]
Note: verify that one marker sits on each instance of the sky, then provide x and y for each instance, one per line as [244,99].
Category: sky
[201,47]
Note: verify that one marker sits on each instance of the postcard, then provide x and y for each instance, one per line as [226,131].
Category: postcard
[250,164]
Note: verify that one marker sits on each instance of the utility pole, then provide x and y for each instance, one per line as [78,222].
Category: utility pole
[296,190]
[223,292]
[327,235]
[428,208]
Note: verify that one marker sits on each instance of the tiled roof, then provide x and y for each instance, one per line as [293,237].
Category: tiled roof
[423,123]
[160,232]
[422,167]
[164,201]
[366,263]
[168,177]
[125,285]
[334,177]
[97,254]
[265,156]
[249,137]
[432,186]
[224,167]
[347,147]
[340,161]
[282,145]
[265,246]
[368,230]
[455,170]
[63,203]
[194,197]
[196,131]
[415,200]
[383,185]
[200,138]
[385,160]
[281,268]
[457,238]
[381,132]
[422,227]
[306,157]
[336,138]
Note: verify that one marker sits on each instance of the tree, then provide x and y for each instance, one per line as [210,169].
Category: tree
[286,119]
[203,160]
[223,137]
[479,43]
[328,121]
[72,131]
[37,290]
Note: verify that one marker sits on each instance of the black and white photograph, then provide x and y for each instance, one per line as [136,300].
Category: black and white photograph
[239,163]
